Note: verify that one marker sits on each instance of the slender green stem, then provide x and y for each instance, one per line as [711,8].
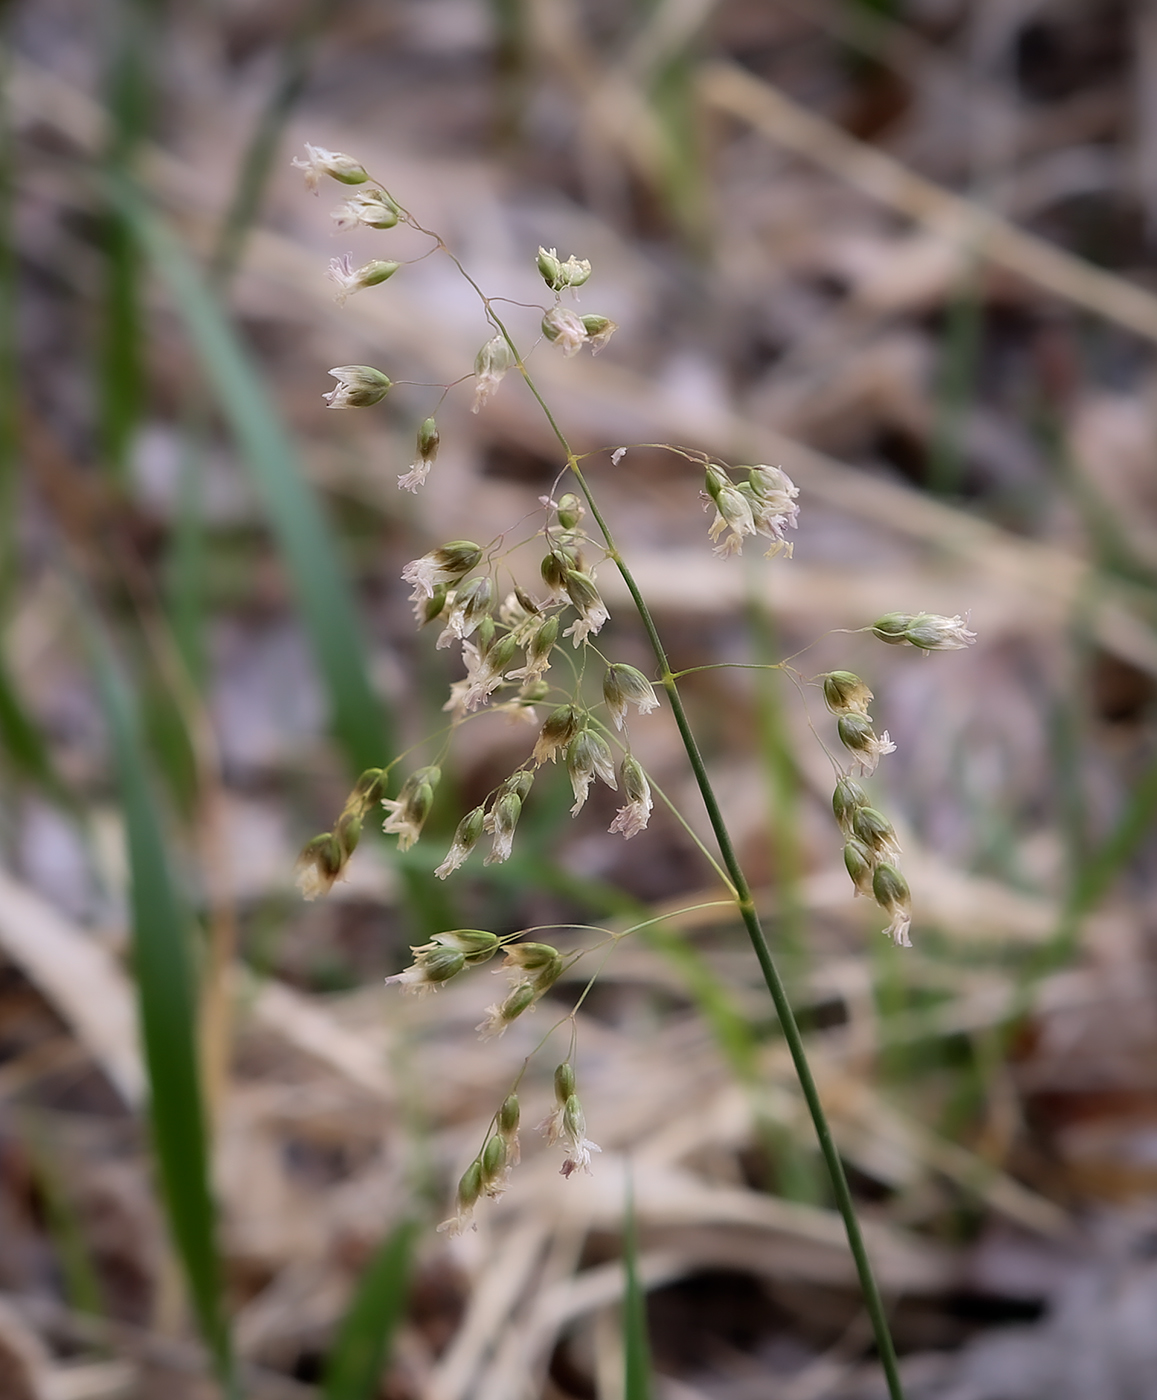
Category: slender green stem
[746,905]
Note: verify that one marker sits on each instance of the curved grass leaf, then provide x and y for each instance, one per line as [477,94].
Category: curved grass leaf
[166,999]
[367,1331]
[305,540]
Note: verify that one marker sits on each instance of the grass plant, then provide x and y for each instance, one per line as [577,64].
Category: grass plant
[454,585]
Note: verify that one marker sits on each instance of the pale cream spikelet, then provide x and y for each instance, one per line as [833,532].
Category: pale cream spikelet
[367,208]
[567,1124]
[428,442]
[845,692]
[893,896]
[352,279]
[564,329]
[585,597]
[467,834]
[495,1167]
[466,1197]
[588,756]
[860,865]
[772,493]
[318,866]
[504,1013]
[858,736]
[509,1117]
[560,727]
[874,829]
[559,275]
[732,512]
[491,365]
[623,686]
[538,652]
[409,810]
[502,820]
[318,161]
[472,602]
[634,816]
[358,386]
[928,631]
[848,795]
[444,565]
[599,330]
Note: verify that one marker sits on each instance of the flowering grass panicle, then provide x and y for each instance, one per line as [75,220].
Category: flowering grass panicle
[507,653]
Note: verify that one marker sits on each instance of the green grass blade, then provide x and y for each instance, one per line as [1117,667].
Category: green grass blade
[167,1007]
[366,1335]
[262,150]
[120,370]
[295,512]
[9,356]
[636,1342]
[23,740]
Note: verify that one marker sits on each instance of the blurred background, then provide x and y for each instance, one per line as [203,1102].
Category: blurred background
[903,249]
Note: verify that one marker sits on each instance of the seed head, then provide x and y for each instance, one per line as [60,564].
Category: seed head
[931,632]
[564,1083]
[433,964]
[509,1116]
[485,670]
[352,279]
[495,1171]
[550,267]
[467,834]
[570,510]
[502,820]
[562,724]
[859,862]
[556,565]
[893,896]
[368,791]
[519,783]
[319,864]
[469,1189]
[472,602]
[409,810]
[318,161]
[427,449]
[581,590]
[844,691]
[567,1124]
[634,817]
[538,651]
[856,733]
[772,494]
[847,797]
[368,208]
[490,367]
[499,1016]
[892,627]
[732,512]
[348,832]
[442,565]
[623,685]
[564,329]
[477,945]
[588,756]
[358,386]
[540,960]
[599,330]
[559,275]
[876,832]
